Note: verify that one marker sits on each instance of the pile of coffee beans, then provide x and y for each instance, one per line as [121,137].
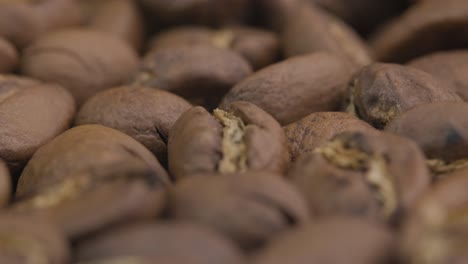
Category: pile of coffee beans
[234,132]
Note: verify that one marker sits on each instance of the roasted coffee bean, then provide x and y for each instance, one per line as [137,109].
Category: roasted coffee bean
[449,67]
[5,184]
[436,231]
[316,129]
[381,91]
[83,61]
[21,22]
[364,15]
[146,114]
[374,175]
[440,130]
[286,135]
[8,56]
[121,18]
[310,30]
[202,74]
[307,29]
[249,208]
[259,47]
[425,27]
[211,12]
[91,177]
[236,138]
[31,114]
[29,239]
[160,243]
[331,240]
[188,36]
[58,14]
[296,87]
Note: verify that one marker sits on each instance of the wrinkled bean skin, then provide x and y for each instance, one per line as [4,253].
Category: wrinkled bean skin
[315,129]
[381,91]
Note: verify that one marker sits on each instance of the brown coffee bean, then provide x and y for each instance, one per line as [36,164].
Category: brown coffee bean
[169,243]
[440,130]
[364,15]
[249,208]
[307,29]
[212,12]
[91,177]
[27,239]
[202,74]
[436,230]
[374,175]
[121,18]
[92,146]
[58,14]
[294,88]
[21,22]
[8,56]
[449,67]
[259,47]
[332,240]
[15,18]
[238,138]
[425,27]
[186,36]
[381,91]
[146,114]
[310,30]
[83,61]
[316,129]
[31,114]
